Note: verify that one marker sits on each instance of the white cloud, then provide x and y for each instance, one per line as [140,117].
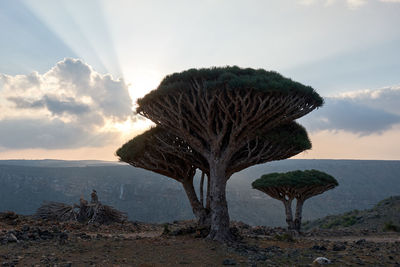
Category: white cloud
[71,105]
[363,112]
[352,4]
[356,3]
[307,2]
[387,98]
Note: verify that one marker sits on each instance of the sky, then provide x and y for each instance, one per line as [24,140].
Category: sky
[71,71]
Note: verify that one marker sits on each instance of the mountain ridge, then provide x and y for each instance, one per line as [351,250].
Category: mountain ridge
[150,197]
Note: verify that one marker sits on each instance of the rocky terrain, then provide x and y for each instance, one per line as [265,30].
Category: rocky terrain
[25,241]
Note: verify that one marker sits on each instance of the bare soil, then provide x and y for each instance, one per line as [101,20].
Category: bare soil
[28,242]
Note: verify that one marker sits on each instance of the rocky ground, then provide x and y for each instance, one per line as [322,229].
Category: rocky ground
[25,241]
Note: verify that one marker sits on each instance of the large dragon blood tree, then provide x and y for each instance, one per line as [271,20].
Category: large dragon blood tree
[299,185]
[218,111]
[160,151]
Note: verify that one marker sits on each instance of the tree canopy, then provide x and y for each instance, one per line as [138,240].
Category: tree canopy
[279,143]
[162,152]
[159,151]
[231,78]
[296,179]
[295,184]
[219,112]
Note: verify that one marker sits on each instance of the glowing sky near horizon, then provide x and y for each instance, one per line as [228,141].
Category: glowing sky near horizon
[71,70]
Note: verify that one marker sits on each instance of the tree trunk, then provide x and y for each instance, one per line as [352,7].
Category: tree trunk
[219,208]
[288,211]
[202,189]
[299,209]
[202,215]
[208,200]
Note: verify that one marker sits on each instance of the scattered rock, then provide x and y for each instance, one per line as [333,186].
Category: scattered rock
[183,231]
[339,247]
[360,242]
[260,257]
[229,262]
[83,236]
[321,261]
[12,238]
[317,247]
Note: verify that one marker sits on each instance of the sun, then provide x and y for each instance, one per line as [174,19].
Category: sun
[141,82]
[132,127]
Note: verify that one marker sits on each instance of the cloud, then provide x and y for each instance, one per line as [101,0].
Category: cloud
[53,104]
[25,133]
[71,105]
[352,4]
[363,112]
[387,98]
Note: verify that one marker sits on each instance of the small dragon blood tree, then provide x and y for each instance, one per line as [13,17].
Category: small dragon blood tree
[299,185]
[218,112]
[159,151]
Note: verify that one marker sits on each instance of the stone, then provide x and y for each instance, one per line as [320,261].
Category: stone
[360,242]
[317,247]
[321,261]
[12,238]
[229,262]
[338,247]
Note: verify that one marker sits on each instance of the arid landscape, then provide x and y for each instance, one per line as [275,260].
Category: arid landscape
[368,237]
[25,241]
[199,133]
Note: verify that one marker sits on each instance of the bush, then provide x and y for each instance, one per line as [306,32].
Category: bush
[391,227]
[284,237]
[343,221]
[166,230]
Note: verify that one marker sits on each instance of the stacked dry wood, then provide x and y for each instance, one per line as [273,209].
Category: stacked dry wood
[94,212]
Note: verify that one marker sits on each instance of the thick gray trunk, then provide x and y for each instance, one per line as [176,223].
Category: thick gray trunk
[202,216]
[219,208]
[288,212]
[299,210]
[202,189]
[208,200]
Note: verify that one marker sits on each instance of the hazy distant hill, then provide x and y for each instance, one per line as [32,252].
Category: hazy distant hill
[58,163]
[146,196]
[384,216]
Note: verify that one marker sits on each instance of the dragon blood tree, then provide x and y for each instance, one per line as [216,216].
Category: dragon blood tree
[159,151]
[299,185]
[218,111]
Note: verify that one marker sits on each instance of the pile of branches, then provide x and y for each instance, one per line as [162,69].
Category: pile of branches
[84,212]
[56,211]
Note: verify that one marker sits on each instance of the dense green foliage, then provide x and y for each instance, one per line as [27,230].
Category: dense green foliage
[391,227]
[232,78]
[290,135]
[136,146]
[295,179]
[341,221]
